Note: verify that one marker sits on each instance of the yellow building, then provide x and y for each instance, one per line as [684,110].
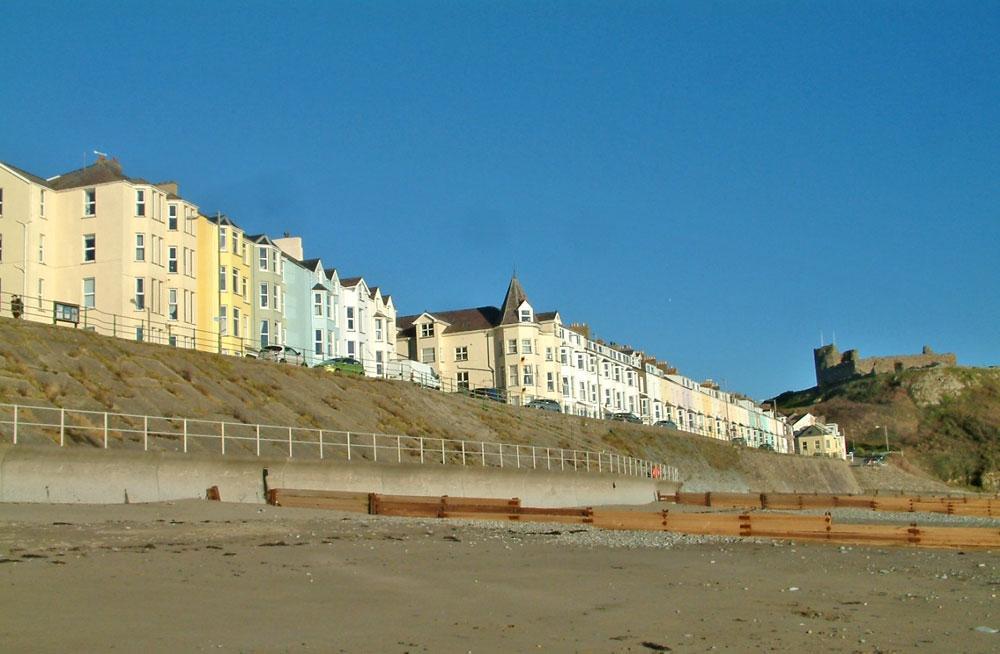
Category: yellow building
[224,303]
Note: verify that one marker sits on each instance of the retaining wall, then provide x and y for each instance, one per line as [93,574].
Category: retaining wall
[84,475]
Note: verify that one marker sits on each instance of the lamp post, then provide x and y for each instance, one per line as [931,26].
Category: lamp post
[885,430]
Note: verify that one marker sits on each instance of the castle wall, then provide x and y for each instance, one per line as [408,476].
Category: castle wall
[833,368]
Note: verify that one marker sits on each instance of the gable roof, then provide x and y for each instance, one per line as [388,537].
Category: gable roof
[311,264]
[514,298]
[349,282]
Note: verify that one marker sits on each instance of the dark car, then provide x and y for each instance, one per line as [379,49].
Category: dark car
[347,365]
[494,394]
[669,424]
[625,417]
[545,405]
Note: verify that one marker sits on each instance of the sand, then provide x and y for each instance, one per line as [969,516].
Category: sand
[208,576]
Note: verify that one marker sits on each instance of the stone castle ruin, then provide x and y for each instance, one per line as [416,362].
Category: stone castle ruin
[833,367]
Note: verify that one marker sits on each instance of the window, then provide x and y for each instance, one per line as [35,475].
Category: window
[1,201]
[318,342]
[263,297]
[172,304]
[223,310]
[548,354]
[89,292]
[562,356]
[350,348]
[140,202]
[264,327]
[140,293]
[222,278]
[277,298]
[172,259]
[525,315]
[236,280]
[529,378]
[462,353]
[41,292]
[427,355]
[222,238]
[550,382]
[90,202]
[426,330]
[89,247]
[140,247]
[246,298]
[526,346]
[41,248]
[583,390]
[41,204]
[378,329]
[329,345]
[512,376]
[172,217]
[317,304]
[462,380]
[262,257]
[512,346]
[565,386]
[236,242]
[579,361]
[350,318]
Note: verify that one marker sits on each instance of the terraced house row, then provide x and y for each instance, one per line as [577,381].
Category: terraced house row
[134,259]
[124,256]
[528,355]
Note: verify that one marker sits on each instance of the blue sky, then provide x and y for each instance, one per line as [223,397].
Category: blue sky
[714,182]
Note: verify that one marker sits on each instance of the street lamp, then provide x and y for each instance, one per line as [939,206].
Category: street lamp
[885,430]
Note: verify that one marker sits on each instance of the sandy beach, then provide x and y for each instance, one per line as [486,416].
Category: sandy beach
[206,576]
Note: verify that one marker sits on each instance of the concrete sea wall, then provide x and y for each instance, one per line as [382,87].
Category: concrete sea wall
[96,476]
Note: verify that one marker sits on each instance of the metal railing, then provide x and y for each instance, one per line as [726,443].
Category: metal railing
[25,424]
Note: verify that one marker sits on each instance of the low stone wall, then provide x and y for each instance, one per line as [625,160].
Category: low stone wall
[84,475]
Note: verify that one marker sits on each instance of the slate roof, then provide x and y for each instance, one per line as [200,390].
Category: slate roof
[512,300]
[348,282]
[460,320]
[24,173]
[546,315]
[310,264]
[99,172]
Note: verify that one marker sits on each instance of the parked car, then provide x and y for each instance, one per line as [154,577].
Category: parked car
[417,372]
[279,353]
[346,365]
[544,405]
[669,424]
[494,394]
[625,417]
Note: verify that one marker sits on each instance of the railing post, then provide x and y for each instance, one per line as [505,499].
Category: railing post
[463,453]
[105,430]
[374,448]
[548,459]
[482,449]
[562,459]
[257,430]
[15,424]
[289,442]
[600,463]
[222,433]
[501,455]
[442,452]
[145,433]
[320,443]
[517,455]
[399,449]
[185,434]
[587,456]
[62,427]
[534,463]
[348,446]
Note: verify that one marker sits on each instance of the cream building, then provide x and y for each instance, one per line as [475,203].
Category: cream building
[120,249]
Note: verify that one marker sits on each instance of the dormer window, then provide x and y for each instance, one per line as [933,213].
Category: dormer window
[426,330]
[525,314]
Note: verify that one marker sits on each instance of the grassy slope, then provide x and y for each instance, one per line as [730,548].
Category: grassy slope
[59,366]
[947,420]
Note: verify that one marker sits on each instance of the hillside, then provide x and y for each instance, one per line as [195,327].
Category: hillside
[58,366]
[946,420]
